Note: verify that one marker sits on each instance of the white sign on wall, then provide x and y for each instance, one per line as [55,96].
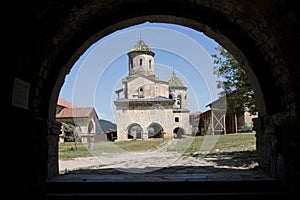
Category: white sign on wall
[20,93]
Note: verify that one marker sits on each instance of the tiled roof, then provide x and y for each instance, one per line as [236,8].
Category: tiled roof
[174,81]
[64,103]
[141,46]
[75,112]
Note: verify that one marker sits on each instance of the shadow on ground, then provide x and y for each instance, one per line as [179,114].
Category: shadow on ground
[222,165]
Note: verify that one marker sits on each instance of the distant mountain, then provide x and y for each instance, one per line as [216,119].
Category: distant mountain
[104,125]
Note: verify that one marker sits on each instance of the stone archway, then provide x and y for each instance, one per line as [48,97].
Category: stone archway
[55,34]
[91,127]
[155,130]
[135,131]
[178,132]
[228,30]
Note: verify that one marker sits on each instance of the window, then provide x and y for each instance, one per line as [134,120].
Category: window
[141,62]
[141,93]
[178,101]
[176,119]
[149,64]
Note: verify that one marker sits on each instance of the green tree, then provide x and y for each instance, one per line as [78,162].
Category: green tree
[236,87]
[71,134]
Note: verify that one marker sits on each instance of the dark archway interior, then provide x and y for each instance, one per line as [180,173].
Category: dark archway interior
[178,132]
[155,131]
[135,131]
[47,38]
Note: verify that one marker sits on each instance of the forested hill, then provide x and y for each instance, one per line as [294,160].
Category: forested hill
[105,125]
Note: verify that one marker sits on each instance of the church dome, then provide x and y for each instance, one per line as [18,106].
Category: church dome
[174,81]
[141,46]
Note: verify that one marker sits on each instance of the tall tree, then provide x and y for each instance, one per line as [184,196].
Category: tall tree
[234,82]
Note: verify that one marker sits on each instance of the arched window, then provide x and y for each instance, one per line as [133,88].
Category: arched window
[141,62]
[149,64]
[178,101]
[131,64]
[141,92]
[91,128]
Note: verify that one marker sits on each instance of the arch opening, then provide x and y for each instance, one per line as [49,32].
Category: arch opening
[50,39]
[178,133]
[155,130]
[241,57]
[135,131]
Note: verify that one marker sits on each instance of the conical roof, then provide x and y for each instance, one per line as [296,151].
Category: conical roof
[141,46]
[174,81]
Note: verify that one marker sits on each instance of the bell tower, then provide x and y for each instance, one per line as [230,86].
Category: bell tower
[178,92]
[141,60]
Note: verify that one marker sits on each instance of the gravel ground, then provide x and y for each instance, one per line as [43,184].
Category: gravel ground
[162,165]
[155,161]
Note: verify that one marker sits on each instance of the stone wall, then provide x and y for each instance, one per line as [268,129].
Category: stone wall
[49,37]
[144,116]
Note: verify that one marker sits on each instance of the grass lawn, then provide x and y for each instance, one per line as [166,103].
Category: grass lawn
[242,142]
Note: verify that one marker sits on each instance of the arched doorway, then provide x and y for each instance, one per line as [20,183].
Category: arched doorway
[155,130]
[135,131]
[178,133]
[91,127]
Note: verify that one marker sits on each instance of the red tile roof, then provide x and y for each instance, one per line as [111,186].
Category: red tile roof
[75,112]
[64,103]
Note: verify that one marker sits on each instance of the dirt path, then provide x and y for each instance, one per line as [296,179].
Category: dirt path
[158,160]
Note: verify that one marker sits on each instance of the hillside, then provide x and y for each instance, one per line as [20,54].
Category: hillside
[105,125]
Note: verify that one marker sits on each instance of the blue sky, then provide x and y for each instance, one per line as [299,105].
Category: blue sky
[94,78]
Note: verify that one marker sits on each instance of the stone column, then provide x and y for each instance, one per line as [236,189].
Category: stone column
[54,130]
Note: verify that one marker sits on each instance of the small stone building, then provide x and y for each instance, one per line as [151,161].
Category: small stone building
[150,107]
[85,119]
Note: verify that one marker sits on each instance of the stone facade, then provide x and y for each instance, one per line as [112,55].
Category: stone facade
[84,119]
[150,107]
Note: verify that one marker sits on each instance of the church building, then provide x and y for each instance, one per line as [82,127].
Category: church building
[150,107]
